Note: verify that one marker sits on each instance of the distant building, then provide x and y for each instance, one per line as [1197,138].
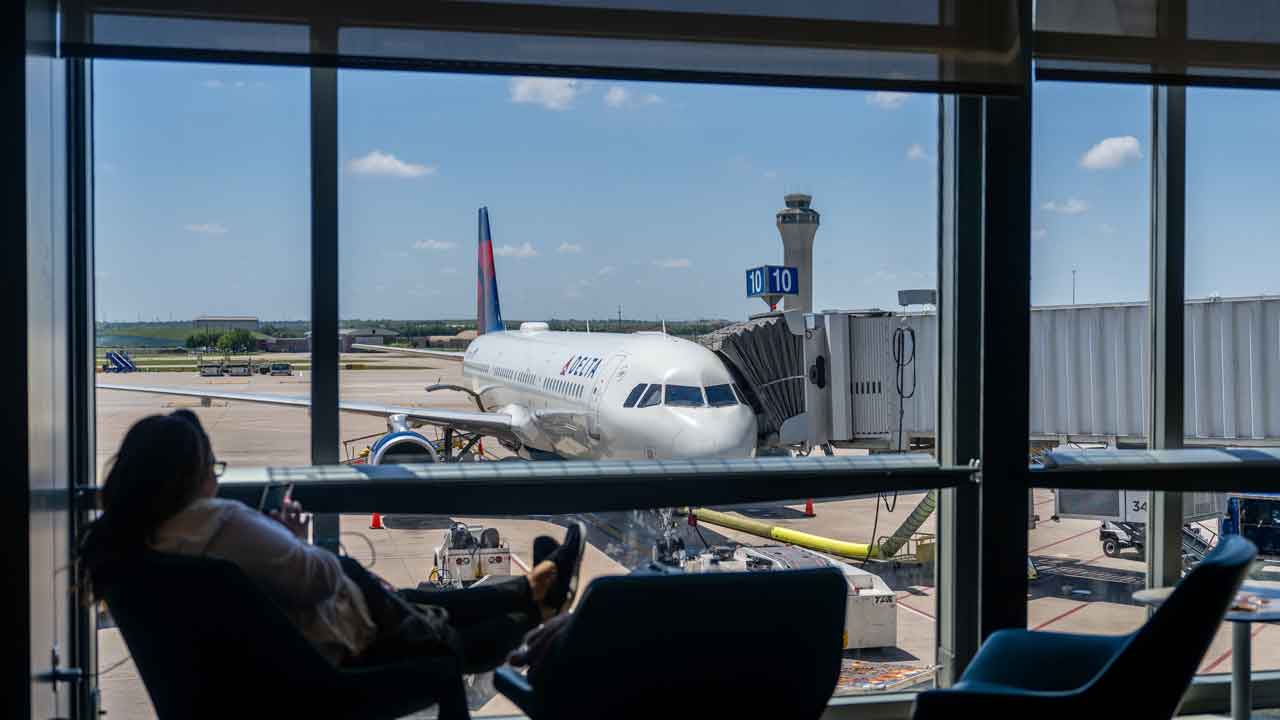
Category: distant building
[222,323]
[289,345]
[364,336]
[450,342]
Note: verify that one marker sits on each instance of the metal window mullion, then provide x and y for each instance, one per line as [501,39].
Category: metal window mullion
[81,372]
[1168,285]
[324,272]
[960,320]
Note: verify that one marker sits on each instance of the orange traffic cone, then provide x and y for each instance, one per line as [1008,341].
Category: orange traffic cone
[808,508]
[375,521]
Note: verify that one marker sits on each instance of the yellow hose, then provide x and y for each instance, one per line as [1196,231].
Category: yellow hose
[857,551]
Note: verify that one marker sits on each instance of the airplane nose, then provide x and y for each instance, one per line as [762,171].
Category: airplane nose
[693,444]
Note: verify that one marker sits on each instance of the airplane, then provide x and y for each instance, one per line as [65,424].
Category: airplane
[557,395]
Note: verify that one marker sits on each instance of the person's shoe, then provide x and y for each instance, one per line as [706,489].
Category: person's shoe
[543,546]
[568,560]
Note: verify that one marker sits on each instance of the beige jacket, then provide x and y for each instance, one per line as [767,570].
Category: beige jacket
[307,581]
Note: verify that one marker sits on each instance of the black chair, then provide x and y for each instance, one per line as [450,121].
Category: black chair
[743,645]
[1022,673]
[209,643]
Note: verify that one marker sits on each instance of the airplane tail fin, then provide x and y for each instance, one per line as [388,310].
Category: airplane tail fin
[488,312]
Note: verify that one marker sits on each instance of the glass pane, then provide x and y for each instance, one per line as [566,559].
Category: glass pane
[582,244]
[1089,254]
[202,238]
[1233,317]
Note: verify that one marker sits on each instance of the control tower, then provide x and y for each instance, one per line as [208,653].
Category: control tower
[797,224]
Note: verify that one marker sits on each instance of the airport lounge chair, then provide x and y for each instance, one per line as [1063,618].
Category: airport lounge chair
[732,645]
[209,643]
[1022,673]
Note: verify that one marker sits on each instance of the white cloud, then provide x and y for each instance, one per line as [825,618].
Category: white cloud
[525,250]
[620,97]
[1072,206]
[1039,233]
[916,152]
[206,228]
[568,247]
[607,270]
[1111,153]
[220,84]
[617,96]
[380,163]
[887,100]
[434,245]
[673,263]
[550,93]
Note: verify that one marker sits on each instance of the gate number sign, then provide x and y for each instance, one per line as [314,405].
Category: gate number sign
[772,280]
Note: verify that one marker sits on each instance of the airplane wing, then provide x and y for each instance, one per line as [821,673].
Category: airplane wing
[485,423]
[453,355]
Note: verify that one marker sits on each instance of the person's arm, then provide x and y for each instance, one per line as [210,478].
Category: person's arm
[292,570]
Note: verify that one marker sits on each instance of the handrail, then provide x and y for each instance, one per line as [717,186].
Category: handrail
[523,488]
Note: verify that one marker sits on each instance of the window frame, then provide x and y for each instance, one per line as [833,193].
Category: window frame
[984,261]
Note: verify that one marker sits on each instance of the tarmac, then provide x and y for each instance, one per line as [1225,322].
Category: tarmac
[1078,588]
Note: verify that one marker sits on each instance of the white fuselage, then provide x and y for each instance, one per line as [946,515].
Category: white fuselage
[567,394]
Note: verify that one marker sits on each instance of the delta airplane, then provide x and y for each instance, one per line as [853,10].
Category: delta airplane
[560,395]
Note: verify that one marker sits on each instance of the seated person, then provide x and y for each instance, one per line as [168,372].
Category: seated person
[160,493]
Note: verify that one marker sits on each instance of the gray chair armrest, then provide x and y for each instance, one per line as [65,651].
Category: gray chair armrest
[515,686]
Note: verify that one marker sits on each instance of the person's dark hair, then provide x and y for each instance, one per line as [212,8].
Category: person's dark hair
[157,471]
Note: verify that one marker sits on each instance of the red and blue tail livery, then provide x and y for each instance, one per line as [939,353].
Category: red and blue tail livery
[488,311]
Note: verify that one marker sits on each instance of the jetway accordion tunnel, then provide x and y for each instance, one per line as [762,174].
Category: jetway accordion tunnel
[1087,374]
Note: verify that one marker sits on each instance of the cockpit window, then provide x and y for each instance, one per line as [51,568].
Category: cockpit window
[720,396]
[634,396]
[652,396]
[738,391]
[684,396]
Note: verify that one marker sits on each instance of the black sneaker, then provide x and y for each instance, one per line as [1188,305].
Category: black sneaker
[568,560]
[543,546]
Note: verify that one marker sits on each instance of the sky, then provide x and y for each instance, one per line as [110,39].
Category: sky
[652,196]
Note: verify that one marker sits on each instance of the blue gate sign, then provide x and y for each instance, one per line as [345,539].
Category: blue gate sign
[773,280]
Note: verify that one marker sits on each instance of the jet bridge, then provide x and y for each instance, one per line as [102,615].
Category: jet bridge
[868,378]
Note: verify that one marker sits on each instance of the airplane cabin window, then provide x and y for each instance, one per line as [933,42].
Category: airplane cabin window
[652,396]
[720,396]
[634,397]
[684,396]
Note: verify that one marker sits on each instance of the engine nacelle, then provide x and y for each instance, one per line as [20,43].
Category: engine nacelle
[404,446]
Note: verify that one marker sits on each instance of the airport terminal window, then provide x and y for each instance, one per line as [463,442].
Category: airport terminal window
[1089,359]
[720,396]
[1232,323]
[618,207]
[684,396]
[202,239]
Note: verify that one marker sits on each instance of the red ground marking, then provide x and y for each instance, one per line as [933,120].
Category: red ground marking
[1056,618]
[1059,542]
[914,609]
[1223,657]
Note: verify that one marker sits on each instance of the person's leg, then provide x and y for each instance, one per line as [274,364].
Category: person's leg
[386,611]
[484,644]
[491,599]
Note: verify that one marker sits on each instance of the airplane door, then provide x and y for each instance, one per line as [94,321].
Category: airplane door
[615,365]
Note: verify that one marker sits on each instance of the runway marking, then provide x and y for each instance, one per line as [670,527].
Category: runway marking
[1059,542]
[917,611]
[1055,619]
[1223,657]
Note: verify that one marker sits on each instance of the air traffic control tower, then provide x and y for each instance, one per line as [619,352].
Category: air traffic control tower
[798,223]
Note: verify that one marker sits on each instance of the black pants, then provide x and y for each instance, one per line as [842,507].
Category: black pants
[483,623]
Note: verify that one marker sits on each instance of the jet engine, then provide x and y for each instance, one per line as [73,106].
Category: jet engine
[403,446]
